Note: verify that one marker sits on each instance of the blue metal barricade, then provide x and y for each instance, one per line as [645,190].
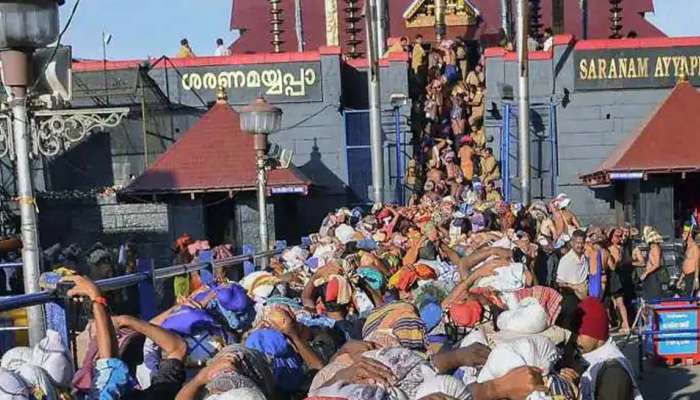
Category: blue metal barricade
[669,330]
[144,278]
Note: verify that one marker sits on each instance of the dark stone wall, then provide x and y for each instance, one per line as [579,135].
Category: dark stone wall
[314,130]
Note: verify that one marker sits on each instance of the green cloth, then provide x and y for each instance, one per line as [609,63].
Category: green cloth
[182,286]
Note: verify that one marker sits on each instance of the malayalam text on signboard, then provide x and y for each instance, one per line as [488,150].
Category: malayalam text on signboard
[636,68]
[279,83]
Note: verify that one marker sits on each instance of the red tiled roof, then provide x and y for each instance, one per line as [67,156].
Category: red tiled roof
[214,155]
[667,142]
[253,15]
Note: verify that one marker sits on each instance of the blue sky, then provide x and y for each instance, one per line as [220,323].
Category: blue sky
[143,28]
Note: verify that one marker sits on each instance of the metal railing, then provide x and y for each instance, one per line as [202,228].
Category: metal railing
[145,278]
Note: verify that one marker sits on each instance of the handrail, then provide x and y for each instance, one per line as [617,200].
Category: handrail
[175,270]
[25,300]
[120,282]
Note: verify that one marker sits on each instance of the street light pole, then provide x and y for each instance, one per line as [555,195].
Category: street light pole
[381,14]
[16,76]
[375,106]
[524,103]
[259,119]
[260,163]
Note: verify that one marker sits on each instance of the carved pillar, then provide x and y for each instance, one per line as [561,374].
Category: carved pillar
[440,25]
[352,17]
[276,22]
[535,20]
[332,34]
[615,19]
[558,17]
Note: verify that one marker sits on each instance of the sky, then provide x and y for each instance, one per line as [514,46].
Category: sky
[142,28]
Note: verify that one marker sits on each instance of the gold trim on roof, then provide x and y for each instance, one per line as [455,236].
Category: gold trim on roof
[421,13]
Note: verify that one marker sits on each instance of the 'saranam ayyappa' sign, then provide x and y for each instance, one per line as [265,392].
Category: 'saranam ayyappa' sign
[635,68]
[279,83]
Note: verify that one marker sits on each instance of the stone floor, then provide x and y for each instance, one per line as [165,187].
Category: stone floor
[668,383]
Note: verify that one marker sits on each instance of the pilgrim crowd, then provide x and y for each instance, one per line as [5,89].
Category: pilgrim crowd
[457,295]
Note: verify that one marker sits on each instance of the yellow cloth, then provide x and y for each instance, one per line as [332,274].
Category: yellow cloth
[417,58]
[184,52]
[181,286]
[489,169]
[493,196]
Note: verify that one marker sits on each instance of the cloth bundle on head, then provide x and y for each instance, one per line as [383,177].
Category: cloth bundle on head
[466,314]
[259,284]
[538,210]
[324,254]
[50,355]
[325,374]
[432,291]
[528,318]
[53,356]
[287,366]
[295,257]
[562,201]
[245,393]
[506,279]
[338,290]
[406,277]
[374,278]
[592,319]
[345,233]
[251,372]
[13,387]
[234,305]
[402,319]
[430,312]
[650,235]
[39,380]
[351,391]
[533,351]
[410,368]
[445,385]
[478,222]
[548,298]
[185,320]
[16,357]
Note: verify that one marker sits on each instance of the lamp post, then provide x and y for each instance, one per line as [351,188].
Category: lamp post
[260,119]
[26,25]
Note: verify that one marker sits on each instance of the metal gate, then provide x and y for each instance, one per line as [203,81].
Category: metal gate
[359,155]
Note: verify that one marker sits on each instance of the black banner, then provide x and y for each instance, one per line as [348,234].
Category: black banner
[607,69]
[278,83]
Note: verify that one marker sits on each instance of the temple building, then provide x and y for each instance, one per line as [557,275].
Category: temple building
[341,22]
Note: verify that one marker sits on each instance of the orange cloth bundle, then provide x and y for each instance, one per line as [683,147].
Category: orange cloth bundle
[467,314]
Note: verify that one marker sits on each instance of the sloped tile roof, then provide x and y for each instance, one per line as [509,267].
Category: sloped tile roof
[667,142]
[214,155]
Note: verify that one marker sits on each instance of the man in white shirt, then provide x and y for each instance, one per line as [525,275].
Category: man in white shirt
[221,50]
[548,39]
[573,269]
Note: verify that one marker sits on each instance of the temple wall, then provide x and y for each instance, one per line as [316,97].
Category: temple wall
[590,123]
